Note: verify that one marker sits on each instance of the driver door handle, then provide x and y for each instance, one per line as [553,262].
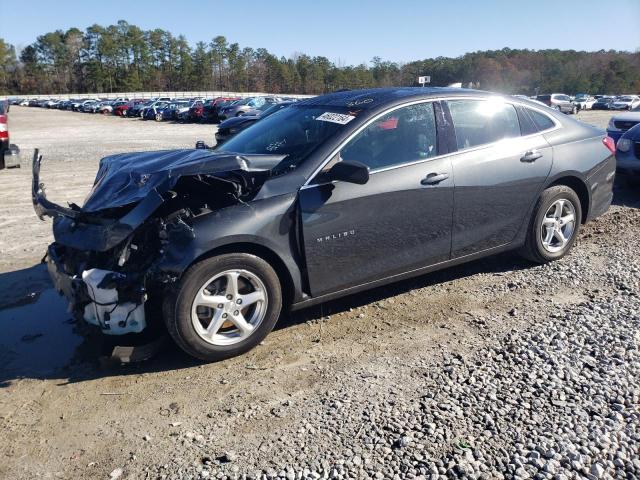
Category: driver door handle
[434,178]
[531,156]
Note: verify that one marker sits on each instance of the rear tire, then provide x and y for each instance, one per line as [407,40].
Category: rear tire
[551,234]
[190,321]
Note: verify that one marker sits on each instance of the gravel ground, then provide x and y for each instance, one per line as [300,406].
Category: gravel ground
[495,369]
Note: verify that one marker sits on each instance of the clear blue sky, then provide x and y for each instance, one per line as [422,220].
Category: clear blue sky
[350,31]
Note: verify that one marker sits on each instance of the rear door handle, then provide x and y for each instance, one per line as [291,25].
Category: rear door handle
[531,156]
[434,178]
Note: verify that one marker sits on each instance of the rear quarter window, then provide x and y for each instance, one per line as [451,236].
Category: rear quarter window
[541,120]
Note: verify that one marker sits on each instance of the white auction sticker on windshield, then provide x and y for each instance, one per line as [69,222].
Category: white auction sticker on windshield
[340,118]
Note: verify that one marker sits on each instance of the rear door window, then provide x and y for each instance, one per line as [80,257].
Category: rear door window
[480,122]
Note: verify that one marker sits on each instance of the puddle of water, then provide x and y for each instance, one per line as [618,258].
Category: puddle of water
[38,338]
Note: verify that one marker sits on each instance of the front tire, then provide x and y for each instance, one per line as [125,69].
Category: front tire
[224,306]
[554,225]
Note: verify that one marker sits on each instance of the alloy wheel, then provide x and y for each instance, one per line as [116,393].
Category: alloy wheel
[229,307]
[558,225]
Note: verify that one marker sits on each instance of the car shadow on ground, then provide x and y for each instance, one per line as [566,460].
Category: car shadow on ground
[40,340]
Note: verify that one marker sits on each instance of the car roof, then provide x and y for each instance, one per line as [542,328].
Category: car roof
[367,99]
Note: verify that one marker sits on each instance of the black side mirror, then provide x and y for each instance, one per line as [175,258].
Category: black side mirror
[350,171]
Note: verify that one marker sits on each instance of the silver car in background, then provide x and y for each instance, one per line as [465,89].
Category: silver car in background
[242,106]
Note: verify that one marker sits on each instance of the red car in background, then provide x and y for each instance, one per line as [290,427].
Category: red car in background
[121,110]
[207,111]
[212,109]
[4,130]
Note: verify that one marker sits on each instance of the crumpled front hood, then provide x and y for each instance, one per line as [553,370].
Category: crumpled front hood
[128,178]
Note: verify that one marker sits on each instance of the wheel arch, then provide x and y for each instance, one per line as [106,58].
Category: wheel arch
[579,186]
[263,252]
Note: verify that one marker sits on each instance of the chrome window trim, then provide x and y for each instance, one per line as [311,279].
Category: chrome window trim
[510,101]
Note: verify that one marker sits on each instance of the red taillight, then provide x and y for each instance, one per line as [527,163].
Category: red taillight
[4,128]
[610,144]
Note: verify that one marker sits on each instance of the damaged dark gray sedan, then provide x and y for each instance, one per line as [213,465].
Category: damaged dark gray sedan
[333,195]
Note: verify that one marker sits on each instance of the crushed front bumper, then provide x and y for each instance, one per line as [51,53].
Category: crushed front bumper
[110,300]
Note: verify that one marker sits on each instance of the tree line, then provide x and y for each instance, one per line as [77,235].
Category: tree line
[125,58]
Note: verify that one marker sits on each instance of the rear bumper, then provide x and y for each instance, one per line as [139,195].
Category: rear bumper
[601,186]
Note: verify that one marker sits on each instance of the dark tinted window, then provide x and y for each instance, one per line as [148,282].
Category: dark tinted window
[541,120]
[405,135]
[527,127]
[544,98]
[478,122]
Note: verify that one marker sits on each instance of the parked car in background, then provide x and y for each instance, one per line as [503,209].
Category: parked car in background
[172,110]
[628,153]
[154,111]
[242,106]
[109,109]
[66,104]
[4,131]
[121,110]
[90,106]
[324,198]
[603,103]
[558,101]
[182,112]
[232,126]
[584,101]
[622,122]
[626,102]
[194,114]
[136,109]
[104,106]
[78,105]
[211,108]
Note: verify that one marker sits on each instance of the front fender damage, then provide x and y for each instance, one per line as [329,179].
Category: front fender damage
[106,259]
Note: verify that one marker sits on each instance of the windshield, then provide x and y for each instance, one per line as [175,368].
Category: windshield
[294,132]
[625,99]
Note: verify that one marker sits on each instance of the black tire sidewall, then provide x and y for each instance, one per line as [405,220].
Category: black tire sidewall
[548,197]
[178,311]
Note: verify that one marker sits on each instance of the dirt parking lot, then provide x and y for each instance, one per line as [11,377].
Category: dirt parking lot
[495,369]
